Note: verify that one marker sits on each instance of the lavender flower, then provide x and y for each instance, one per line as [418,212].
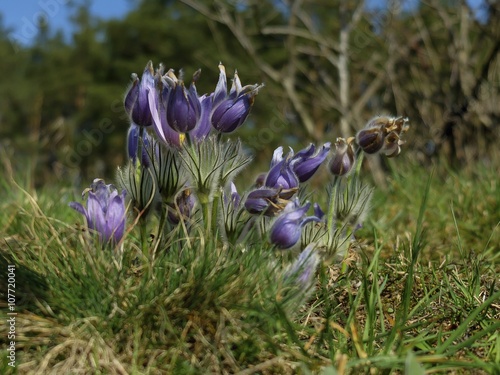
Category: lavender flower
[105,212]
[137,98]
[231,110]
[287,229]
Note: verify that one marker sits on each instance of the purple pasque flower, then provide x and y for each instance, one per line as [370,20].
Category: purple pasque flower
[287,228]
[343,158]
[136,100]
[230,110]
[281,173]
[183,108]
[166,134]
[133,144]
[174,109]
[268,201]
[307,161]
[105,211]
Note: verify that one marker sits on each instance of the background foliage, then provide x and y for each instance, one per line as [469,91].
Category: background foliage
[327,68]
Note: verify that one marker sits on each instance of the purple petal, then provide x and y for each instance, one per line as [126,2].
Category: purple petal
[203,127]
[115,219]
[96,219]
[220,92]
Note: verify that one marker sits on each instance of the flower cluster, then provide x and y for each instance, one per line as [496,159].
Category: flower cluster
[182,170]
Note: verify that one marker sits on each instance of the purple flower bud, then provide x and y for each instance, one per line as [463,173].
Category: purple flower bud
[105,212]
[343,157]
[231,110]
[137,98]
[183,107]
[287,228]
[133,144]
[306,162]
[282,175]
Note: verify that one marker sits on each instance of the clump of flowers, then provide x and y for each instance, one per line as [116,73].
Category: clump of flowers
[183,170]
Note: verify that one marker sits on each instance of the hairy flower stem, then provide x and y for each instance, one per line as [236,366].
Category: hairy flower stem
[207,209]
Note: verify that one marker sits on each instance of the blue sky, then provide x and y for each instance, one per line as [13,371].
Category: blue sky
[22,15]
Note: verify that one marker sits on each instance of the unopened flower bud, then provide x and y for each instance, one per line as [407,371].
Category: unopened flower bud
[136,100]
[343,157]
[371,140]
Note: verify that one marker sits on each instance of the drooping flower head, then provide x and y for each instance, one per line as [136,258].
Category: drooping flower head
[230,110]
[287,228]
[137,97]
[382,133]
[105,211]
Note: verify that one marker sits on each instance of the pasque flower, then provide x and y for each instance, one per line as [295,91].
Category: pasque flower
[268,201]
[307,161]
[343,158]
[287,228]
[183,108]
[230,110]
[137,97]
[105,211]
[175,109]
[281,175]
[382,133]
[290,170]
